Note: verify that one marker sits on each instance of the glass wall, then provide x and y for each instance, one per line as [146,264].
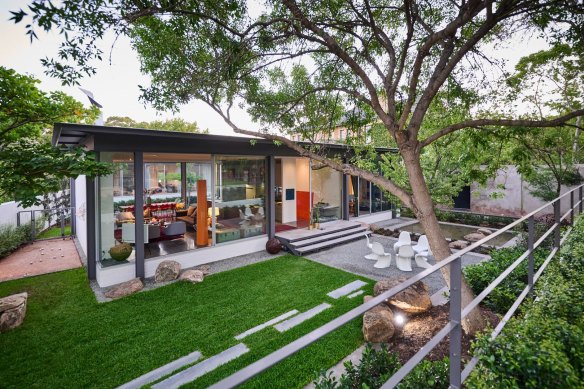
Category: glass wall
[366,198]
[200,170]
[163,180]
[114,200]
[327,187]
[240,190]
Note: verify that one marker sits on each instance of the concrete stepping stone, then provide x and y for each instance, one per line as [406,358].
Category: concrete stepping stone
[345,290]
[293,322]
[202,368]
[162,371]
[266,324]
[357,293]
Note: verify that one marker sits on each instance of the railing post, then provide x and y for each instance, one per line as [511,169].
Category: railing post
[18,219]
[62,220]
[455,314]
[32,227]
[557,222]
[572,208]
[580,205]
[530,240]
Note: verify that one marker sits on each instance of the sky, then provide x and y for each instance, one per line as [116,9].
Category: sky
[115,86]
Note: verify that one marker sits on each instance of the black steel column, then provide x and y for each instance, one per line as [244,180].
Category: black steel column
[271,196]
[139,207]
[92,237]
[183,182]
[345,196]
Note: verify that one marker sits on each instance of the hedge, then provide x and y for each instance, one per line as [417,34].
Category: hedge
[543,346]
[12,238]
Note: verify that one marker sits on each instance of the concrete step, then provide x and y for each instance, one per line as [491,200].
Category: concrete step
[329,236]
[329,243]
[326,229]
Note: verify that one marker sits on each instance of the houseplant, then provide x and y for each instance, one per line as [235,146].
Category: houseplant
[120,252]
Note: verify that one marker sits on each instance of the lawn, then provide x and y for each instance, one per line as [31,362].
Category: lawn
[70,340]
[54,232]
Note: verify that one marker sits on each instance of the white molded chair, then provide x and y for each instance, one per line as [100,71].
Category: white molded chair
[371,256]
[384,259]
[404,240]
[422,259]
[403,260]
[423,245]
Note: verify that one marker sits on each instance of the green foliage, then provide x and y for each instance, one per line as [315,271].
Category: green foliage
[544,346]
[544,184]
[12,238]
[480,275]
[175,124]
[377,366]
[32,168]
[26,111]
[54,232]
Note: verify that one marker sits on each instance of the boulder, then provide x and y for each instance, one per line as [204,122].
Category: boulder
[12,311]
[125,289]
[192,275]
[167,271]
[415,299]
[474,237]
[206,269]
[458,244]
[484,231]
[378,325]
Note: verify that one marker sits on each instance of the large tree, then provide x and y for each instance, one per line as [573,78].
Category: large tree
[390,58]
[31,167]
[174,124]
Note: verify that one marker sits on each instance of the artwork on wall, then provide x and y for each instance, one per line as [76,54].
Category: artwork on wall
[290,194]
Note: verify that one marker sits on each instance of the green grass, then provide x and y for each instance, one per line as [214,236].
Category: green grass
[54,232]
[69,340]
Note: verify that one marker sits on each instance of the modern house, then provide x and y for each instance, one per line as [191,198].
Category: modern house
[202,198]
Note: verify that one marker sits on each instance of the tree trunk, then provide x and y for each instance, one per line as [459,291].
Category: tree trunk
[423,208]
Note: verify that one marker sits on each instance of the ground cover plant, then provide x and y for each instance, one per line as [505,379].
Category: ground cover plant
[542,347]
[377,366]
[54,232]
[70,340]
[12,238]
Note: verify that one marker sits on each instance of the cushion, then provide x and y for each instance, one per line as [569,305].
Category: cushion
[125,216]
[180,205]
[147,212]
[191,210]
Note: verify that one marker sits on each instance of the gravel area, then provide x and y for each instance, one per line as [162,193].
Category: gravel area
[350,257]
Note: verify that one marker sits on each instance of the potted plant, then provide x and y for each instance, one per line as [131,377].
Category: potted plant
[316,217]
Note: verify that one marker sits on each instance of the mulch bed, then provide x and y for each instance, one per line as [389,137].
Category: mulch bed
[419,329]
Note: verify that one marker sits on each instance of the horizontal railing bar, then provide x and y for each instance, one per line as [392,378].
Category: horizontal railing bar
[544,236]
[266,362]
[419,356]
[566,214]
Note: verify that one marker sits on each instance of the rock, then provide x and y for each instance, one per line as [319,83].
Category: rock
[378,325]
[474,237]
[273,246]
[12,311]
[458,244]
[484,231]
[204,268]
[191,275]
[414,299]
[167,271]
[125,289]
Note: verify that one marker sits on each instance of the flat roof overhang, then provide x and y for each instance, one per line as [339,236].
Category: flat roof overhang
[121,139]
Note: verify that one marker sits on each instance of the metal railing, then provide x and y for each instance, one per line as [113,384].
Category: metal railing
[43,219]
[457,312]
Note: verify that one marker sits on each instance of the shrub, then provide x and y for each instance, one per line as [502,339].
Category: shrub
[480,275]
[12,238]
[377,366]
[544,346]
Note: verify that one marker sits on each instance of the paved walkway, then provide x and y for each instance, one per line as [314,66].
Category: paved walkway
[350,257]
[41,257]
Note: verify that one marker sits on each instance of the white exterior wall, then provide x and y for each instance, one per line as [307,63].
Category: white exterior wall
[516,200]
[9,212]
[81,213]
[115,274]
[288,182]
